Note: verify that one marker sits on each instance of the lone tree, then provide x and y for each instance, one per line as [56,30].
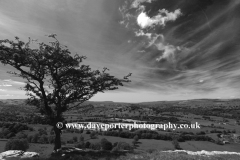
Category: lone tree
[56,81]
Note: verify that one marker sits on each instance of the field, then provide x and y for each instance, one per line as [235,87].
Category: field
[208,114]
[143,145]
[2,145]
[208,146]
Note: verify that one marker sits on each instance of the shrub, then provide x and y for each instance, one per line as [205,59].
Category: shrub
[6,133]
[176,144]
[115,144]
[52,132]
[219,135]
[35,138]
[115,149]
[124,146]
[80,145]
[87,144]
[43,139]
[17,144]
[77,131]
[201,133]
[151,150]
[21,135]
[75,139]
[10,135]
[51,139]
[81,138]
[136,138]
[30,129]
[63,142]
[70,141]
[42,131]
[219,142]
[134,142]
[95,146]
[93,135]
[106,145]
[29,138]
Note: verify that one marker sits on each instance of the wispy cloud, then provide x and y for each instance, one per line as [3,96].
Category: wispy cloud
[2,96]
[137,3]
[5,85]
[168,52]
[177,50]
[191,51]
[13,82]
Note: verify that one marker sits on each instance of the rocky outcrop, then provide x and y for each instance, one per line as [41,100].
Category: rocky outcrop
[203,152]
[17,153]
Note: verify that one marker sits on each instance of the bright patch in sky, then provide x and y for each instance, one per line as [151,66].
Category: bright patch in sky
[163,16]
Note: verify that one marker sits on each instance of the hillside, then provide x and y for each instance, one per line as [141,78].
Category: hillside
[192,103]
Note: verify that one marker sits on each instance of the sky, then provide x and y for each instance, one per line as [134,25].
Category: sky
[175,49]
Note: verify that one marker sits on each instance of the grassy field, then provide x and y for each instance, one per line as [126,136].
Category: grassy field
[144,144]
[43,149]
[208,146]
[127,111]
[2,145]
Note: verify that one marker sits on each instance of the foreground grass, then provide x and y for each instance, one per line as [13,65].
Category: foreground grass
[157,155]
[176,156]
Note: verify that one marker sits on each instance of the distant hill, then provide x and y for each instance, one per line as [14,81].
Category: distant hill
[189,103]
[12,101]
[195,103]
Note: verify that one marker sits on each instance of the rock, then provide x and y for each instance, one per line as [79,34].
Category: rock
[203,152]
[17,153]
[30,154]
[11,153]
[71,149]
[67,150]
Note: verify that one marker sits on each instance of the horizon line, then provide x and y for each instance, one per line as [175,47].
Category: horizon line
[150,101]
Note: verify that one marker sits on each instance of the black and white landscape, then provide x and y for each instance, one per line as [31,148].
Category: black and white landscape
[110,61]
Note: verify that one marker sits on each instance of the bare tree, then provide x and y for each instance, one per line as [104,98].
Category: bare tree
[55,80]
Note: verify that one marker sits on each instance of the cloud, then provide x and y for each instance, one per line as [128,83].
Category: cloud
[2,90]
[147,26]
[5,95]
[161,18]
[14,82]
[10,83]
[158,40]
[137,3]
[168,52]
[153,38]
[141,33]
[5,85]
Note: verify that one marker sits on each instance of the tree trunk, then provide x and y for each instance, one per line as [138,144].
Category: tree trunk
[57,142]
[57,128]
